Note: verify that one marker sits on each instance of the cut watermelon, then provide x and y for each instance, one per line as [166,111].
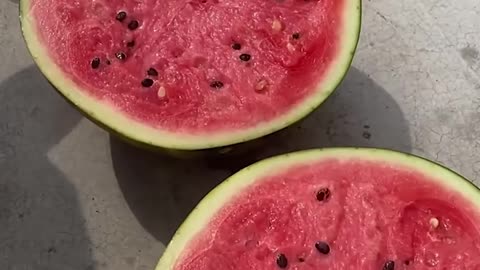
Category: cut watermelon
[333,209]
[193,74]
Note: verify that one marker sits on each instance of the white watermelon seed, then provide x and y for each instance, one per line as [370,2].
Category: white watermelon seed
[434,222]
[261,85]
[161,92]
[276,25]
[290,47]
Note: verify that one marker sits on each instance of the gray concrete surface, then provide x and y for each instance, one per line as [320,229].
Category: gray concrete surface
[72,197]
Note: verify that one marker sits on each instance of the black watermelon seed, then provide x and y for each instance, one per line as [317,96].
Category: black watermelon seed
[121,16]
[245,57]
[322,247]
[108,62]
[323,194]
[95,63]
[152,72]
[282,261]
[147,82]
[236,46]
[301,259]
[130,44]
[296,35]
[216,84]
[133,25]
[389,265]
[120,56]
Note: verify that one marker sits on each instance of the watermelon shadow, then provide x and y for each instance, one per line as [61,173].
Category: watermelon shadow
[161,190]
[42,226]
[360,113]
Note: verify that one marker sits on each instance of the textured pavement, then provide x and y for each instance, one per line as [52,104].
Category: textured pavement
[72,197]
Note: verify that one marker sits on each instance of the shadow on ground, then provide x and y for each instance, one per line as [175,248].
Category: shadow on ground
[41,223]
[161,190]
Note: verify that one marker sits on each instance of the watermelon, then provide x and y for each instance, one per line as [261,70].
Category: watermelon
[337,208]
[193,74]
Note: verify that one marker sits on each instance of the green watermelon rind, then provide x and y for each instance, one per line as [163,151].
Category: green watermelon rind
[213,202]
[140,134]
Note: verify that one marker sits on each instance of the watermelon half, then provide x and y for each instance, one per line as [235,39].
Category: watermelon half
[333,209]
[193,74]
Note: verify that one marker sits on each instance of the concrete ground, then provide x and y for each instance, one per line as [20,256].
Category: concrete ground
[72,197]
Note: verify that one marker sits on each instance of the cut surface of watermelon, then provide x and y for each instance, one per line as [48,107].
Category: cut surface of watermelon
[193,73]
[333,209]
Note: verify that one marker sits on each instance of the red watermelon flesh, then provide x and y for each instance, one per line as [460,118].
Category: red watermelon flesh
[199,79]
[375,217]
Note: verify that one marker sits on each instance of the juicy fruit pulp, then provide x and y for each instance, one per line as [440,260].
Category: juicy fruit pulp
[338,213]
[190,65]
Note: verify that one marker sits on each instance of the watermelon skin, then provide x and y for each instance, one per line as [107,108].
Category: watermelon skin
[172,142]
[246,214]
[229,151]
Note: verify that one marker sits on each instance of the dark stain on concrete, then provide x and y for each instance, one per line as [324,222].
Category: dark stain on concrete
[130,261]
[469,54]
